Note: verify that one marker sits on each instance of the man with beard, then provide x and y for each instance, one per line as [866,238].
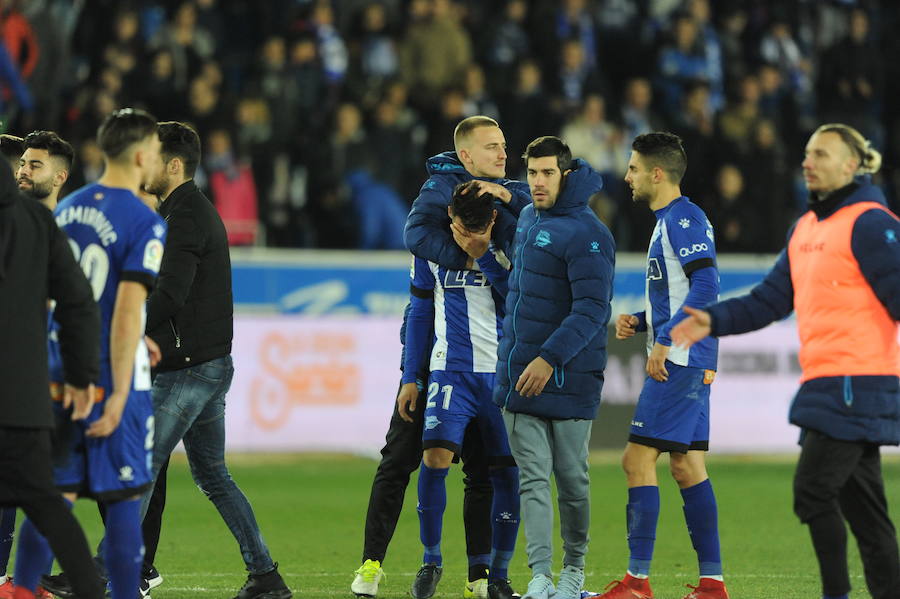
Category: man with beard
[190,316]
[672,413]
[44,166]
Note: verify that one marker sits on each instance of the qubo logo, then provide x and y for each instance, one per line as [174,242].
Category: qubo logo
[542,239]
[697,247]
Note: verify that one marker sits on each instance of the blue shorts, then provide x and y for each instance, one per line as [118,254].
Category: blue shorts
[674,415]
[110,468]
[455,399]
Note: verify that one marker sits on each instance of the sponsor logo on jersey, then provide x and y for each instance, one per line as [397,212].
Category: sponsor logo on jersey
[697,247]
[542,239]
[153,253]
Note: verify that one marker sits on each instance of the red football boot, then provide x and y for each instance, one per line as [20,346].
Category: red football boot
[709,588]
[628,588]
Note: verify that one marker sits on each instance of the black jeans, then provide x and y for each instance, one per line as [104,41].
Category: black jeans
[837,480]
[400,457]
[26,481]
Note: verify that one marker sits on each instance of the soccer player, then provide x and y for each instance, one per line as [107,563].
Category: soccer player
[557,311]
[839,273]
[672,413]
[119,243]
[479,154]
[464,308]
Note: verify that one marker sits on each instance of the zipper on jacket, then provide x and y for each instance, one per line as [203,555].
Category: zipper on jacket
[848,391]
[175,332]
[521,266]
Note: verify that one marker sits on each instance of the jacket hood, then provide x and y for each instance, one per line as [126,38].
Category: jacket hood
[578,186]
[445,163]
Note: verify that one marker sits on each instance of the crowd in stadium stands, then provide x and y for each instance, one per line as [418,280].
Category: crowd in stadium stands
[316,116]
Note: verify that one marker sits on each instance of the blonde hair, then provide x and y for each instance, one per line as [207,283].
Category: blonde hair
[467,125]
[869,157]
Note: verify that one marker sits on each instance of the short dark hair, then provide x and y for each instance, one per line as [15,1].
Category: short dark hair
[53,143]
[475,211]
[180,141]
[549,145]
[465,127]
[122,128]
[664,150]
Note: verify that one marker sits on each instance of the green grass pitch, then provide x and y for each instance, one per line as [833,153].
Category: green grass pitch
[311,510]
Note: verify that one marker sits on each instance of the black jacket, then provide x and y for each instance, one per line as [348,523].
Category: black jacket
[190,311]
[37,263]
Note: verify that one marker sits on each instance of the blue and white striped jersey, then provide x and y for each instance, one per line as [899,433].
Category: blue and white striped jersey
[682,243]
[468,316]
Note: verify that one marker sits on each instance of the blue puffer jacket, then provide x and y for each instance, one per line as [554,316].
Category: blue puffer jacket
[427,233]
[558,305]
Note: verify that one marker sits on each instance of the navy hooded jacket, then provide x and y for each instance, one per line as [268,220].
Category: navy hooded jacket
[558,305]
[427,233]
[849,408]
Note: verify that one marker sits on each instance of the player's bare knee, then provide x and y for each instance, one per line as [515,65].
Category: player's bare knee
[687,469]
[437,457]
[639,464]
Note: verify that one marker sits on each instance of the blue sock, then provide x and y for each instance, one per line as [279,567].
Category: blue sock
[7,532]
[432,502]
[505,516]
[641,515]
[701,515]
[34,556]
[124,547]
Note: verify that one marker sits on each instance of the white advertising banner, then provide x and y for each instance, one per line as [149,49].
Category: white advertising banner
[312,384]
[327,383]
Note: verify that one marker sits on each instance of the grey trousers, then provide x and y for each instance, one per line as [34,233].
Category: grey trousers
[543,447]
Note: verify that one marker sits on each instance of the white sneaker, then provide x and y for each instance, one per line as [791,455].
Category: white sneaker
[571,580]
[476,589]
[540,587]
[367,578]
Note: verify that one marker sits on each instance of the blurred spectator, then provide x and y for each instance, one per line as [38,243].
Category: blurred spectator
[440,129]
[592,137]
[526,114]
[851,81]
[768,169]
[188,43]
[435,51]
[374,57]
[740,117]
[779,48]
[708,39]
[205,111]
[478,99]
[349,145]
[332,49]
[638,116]
[394,168]
[233,189]
[19,38]
[382,213]
[577,77]
[504,46]
[574,22]
[682,61]
[734,218]
[696,129]
[160,93]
